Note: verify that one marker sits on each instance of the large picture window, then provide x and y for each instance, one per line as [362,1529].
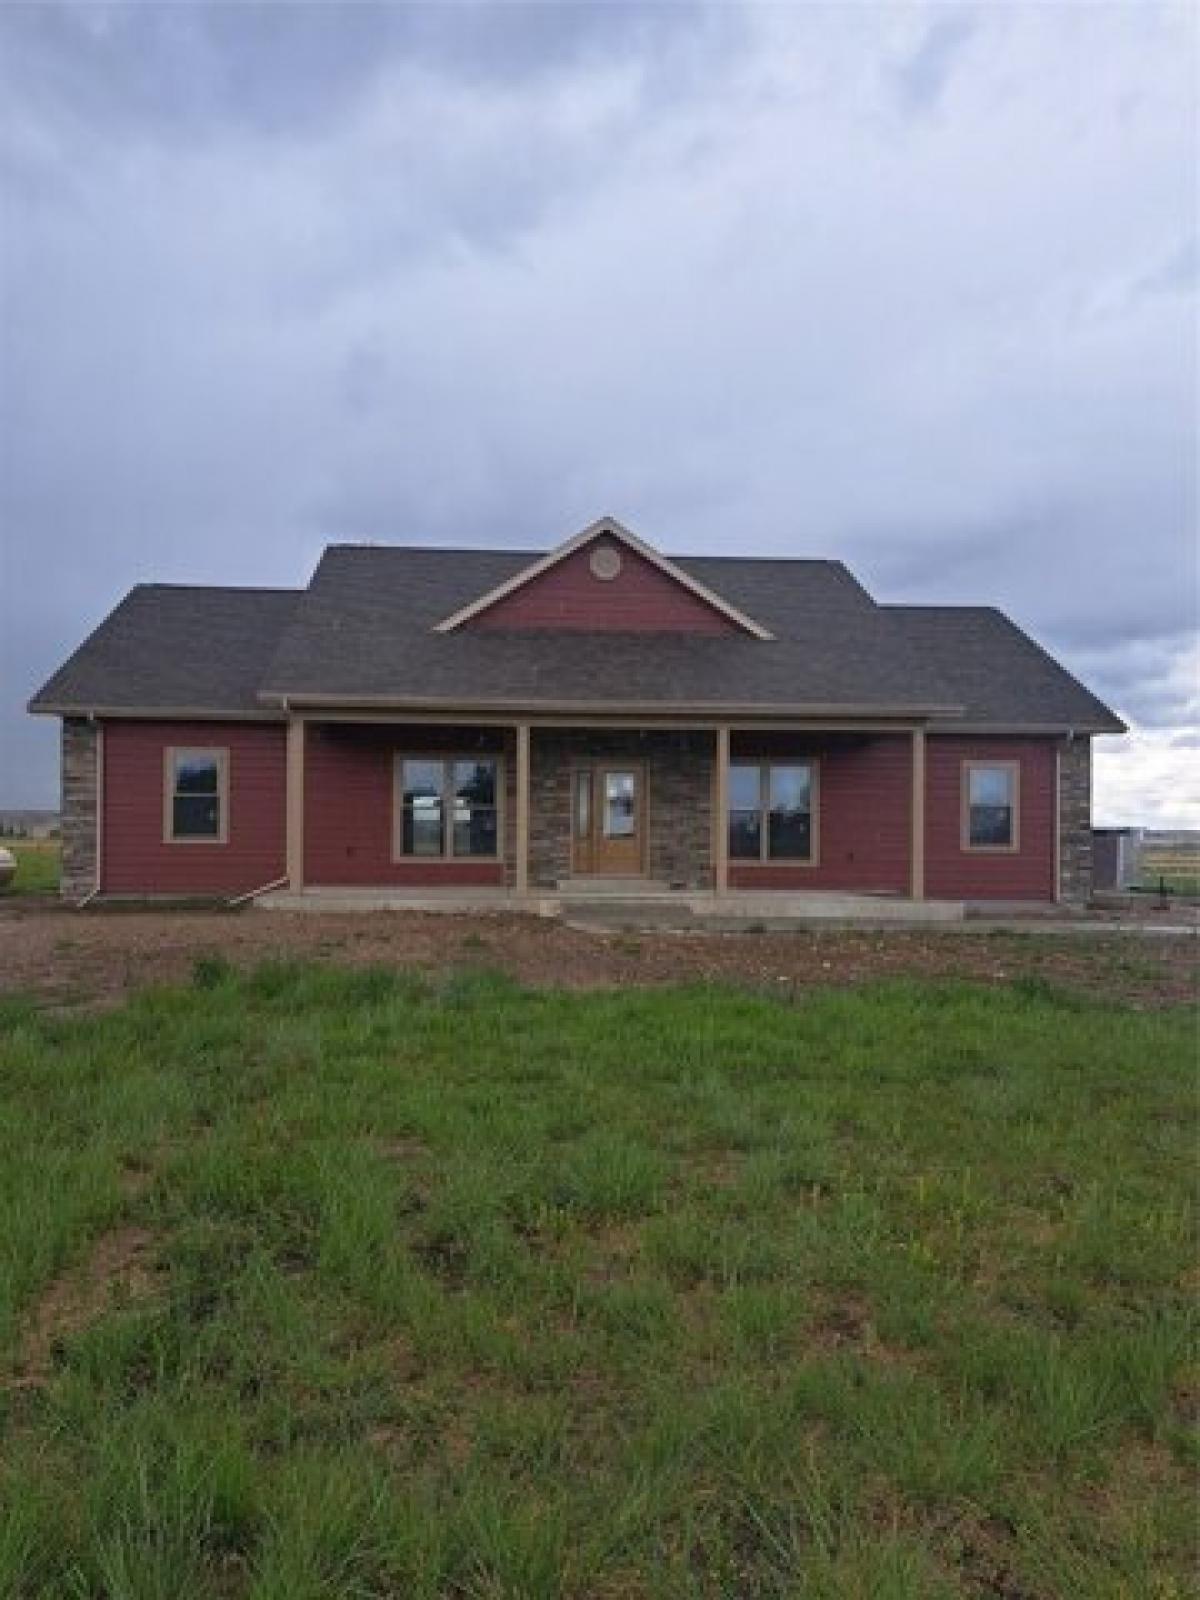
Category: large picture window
[448,807]
[772,808]
[196,796]
[991,791]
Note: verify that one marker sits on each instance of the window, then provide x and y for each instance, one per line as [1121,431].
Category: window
[620,798]
[990,800]
[771,811]
[583,802]
[421,832]
[745,813]
[196,800]
[474,807]
[448,807]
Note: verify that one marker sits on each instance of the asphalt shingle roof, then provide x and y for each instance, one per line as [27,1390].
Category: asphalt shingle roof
[999,675]
[174,648]
[364,631]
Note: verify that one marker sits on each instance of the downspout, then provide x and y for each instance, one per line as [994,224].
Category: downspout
[253,894]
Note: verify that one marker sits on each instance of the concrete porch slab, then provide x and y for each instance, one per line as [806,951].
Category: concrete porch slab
[656,908]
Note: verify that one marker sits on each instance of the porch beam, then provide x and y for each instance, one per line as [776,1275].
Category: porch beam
[721,819]
[522,821]
[667,723]
[295,804]
[917,845]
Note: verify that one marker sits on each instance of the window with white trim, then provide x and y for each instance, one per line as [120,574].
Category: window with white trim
[772,811]
[448,807]
[991,791]
[196,797]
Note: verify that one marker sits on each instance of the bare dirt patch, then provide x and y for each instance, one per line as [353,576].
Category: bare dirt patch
[119,1269]
[67,958]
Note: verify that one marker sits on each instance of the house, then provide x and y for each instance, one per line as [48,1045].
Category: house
[502,724]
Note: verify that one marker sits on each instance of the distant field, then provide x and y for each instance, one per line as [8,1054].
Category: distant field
[1178,866]
[357,1285]
[37,865]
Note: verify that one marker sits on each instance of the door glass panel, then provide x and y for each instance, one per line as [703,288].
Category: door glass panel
[620,791]
[583,804]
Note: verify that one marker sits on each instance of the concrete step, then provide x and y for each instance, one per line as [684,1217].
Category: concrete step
[613,888]
[608,913]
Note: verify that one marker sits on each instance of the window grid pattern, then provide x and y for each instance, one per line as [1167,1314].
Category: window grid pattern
[448,807]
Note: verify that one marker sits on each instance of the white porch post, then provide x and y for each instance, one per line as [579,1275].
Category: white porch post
[522,830]
[721,819]
[917,845]
[295,804]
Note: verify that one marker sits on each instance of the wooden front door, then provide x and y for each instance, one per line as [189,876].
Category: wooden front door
[608,819]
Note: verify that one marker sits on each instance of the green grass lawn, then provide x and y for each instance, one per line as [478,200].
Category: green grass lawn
[330,1283]
[1173,883]
[37,866]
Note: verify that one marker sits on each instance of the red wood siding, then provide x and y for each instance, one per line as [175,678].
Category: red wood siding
[349,806]
[134,857]
[952,873]
[640,599]
[864,804]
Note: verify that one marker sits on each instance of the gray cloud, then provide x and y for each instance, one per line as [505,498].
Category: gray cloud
[1177,273]
[903,287]
[922,76]
[183,71]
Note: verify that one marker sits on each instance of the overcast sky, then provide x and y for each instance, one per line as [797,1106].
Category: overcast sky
[915,288]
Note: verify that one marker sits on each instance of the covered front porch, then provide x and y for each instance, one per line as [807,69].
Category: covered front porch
[813,818]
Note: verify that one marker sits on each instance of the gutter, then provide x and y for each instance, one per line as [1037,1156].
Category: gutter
[47,708]
[720,709]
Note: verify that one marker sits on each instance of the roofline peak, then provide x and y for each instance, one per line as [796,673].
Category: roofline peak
[603,527]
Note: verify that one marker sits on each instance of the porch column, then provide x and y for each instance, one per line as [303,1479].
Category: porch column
[721,820]
[917,845]
[295,804]
[522,830]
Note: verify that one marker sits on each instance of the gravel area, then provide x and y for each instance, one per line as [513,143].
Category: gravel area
[69,959]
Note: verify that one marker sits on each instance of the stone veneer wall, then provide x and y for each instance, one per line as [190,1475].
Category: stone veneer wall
[679,779]
[1075,820]
[79,769]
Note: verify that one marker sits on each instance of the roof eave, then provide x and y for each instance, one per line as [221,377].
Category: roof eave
[1089,726]
[296,700]
[91,710]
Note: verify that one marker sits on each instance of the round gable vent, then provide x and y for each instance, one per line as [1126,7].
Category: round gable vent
[605,562]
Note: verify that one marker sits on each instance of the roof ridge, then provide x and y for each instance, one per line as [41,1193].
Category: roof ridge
[512,550]
[950,605]
[376,546]
[220,588]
